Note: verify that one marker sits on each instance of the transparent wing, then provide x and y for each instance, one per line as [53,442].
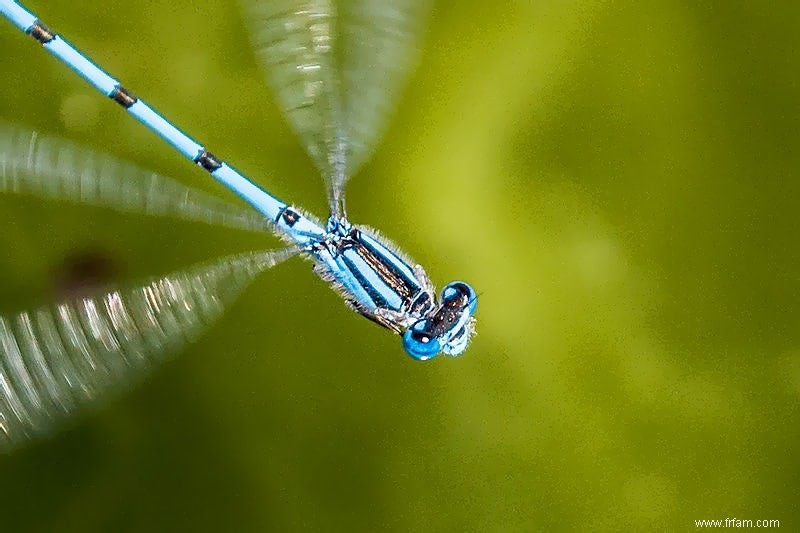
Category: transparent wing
[52,168]
[336,69]
[56,361]
[381,41]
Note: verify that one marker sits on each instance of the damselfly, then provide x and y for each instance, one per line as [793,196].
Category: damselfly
[336,70]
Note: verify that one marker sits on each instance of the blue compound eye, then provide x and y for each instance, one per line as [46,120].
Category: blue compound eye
[420,344]
[462,294]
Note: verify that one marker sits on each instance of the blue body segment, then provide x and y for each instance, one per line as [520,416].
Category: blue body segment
[18,16]
[332,266]
[398,263]
[380,293]
[179,140]
[88,70]
[374,279]
[265,203]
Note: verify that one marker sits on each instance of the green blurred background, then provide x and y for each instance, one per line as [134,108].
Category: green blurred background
[618,181]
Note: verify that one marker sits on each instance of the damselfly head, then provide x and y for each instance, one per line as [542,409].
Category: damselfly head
[447,328]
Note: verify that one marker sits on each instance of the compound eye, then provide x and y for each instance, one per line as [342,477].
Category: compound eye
[419,343]
[460,294]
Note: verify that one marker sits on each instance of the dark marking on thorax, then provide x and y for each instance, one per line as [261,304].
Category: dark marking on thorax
[387,271]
